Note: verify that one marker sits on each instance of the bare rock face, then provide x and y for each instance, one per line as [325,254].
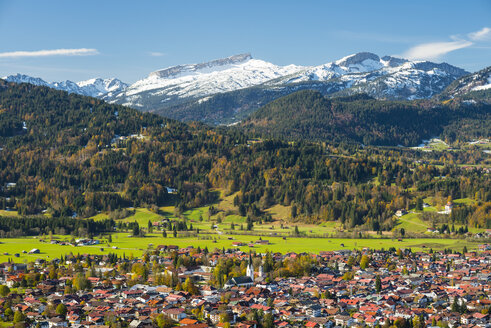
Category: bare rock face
[357,59]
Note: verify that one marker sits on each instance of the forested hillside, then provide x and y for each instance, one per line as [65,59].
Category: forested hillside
[69,155]
[308,115]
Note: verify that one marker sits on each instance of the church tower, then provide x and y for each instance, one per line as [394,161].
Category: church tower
[250,268]
[261,271]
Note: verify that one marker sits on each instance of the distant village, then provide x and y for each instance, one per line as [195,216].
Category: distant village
[171,286]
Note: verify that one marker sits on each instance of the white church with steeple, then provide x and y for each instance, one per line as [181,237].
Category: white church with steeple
[250,268]
[245,281]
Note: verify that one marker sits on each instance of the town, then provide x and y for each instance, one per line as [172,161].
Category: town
[193,287]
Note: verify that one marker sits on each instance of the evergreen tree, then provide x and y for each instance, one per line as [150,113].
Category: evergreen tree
[294,211]
[136,229]
[455,304]
[249,225]
[378,284]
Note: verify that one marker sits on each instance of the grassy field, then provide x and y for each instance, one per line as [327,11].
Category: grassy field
[278,232]
[464,201]
[434,144]
[437,144]
[143,215]
[226,217]
[412,223]
[280,212]
[485,144]
[8,213]
[136,246]
[430,209]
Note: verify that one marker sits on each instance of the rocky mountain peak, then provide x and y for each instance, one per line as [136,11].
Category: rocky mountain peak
[357,59]
[179,69]
[394,61]
[22,78]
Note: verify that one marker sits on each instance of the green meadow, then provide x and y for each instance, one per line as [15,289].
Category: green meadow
[412,223]
[200,219]
[226,226]
[123,243]
[229,222]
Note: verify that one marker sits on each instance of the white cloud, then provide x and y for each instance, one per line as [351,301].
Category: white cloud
[482,34]
[53,52]
[434,50]
[156,54]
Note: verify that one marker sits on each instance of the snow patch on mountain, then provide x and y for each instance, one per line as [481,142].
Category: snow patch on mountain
[477,81]
[483,87]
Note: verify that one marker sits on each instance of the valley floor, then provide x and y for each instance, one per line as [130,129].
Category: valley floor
[226,229]
[123,243]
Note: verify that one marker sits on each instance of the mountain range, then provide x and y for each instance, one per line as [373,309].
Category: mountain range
[227,90]
[97,87]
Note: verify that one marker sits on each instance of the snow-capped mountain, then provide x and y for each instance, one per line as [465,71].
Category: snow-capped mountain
[386,77]
[184,82]
[104,88]
[225,90]
[21,78]
[473,83]
[101,88]
[363,62]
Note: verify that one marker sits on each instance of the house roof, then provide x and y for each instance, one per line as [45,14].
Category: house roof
[240,280]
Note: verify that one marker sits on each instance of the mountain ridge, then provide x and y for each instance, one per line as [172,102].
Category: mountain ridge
[95,87]
[476,84]
[174,70]
[188,92]
[182,92]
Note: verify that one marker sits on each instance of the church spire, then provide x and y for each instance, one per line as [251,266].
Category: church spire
[250,267]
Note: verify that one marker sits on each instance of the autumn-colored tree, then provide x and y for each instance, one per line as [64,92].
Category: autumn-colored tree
[365,260]
[80,282]
[190,287]
[19,317]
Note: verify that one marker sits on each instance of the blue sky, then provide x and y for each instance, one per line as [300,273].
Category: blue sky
[76,40]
